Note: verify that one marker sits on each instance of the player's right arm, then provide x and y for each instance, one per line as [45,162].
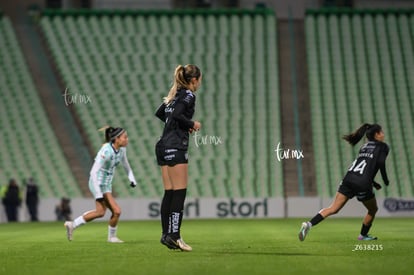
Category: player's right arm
[160,113]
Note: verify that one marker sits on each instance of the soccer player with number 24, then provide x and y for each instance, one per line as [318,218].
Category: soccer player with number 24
[359,180]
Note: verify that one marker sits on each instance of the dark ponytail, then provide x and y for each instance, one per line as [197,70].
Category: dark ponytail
[368,130]
[111,133]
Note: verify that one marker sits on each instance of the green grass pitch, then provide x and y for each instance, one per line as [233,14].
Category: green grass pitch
[245,246]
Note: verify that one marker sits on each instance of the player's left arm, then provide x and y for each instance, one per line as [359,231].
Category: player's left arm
[381,164]
[128,170]
[184,103]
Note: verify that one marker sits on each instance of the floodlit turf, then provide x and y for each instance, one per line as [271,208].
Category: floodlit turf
[219,247]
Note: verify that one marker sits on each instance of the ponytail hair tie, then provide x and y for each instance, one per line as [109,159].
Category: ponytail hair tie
[184,75]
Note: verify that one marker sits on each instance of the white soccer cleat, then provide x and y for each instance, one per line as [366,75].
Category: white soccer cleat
[114,240]
[304,230]
[183,246]
[69,229]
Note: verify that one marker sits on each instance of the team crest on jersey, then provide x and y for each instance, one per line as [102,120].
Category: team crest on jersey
[188,97]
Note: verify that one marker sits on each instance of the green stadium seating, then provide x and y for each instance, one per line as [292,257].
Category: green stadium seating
[125,61]
[359,71]
[32,148]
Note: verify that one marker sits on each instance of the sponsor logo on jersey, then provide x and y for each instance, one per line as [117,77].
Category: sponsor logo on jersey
[189,96]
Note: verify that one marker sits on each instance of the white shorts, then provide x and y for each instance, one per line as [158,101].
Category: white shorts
[98,189]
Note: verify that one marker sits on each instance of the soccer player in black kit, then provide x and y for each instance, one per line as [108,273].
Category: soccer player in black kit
[172,151]
[359,180]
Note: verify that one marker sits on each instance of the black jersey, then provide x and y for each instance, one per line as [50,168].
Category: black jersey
[177,116]
[370,159]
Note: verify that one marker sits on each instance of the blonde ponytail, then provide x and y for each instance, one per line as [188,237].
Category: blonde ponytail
[179,83]
[182,77]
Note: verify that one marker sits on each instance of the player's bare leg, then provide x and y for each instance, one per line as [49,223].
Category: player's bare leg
[98,212]
[113,221]
[339,202]
[372,207]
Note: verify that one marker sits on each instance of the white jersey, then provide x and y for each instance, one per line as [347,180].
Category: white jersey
[103,169]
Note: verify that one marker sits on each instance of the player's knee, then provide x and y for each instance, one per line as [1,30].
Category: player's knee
[373,211]
[117,212]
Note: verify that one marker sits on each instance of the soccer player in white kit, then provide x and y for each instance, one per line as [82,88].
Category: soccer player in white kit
[109,156]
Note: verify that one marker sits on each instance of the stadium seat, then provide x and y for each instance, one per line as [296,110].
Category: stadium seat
[35,153]
[358,73]
[127,63]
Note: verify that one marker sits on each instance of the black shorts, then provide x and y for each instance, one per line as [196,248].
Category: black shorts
[170,156]
[350,190]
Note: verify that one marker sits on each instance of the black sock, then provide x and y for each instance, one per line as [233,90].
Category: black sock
[317,219]
[166,210]
[365,229]
[177,207]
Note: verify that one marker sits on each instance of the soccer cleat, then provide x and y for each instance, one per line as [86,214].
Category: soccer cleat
[114,240]
[179,243]
[170,244]
[304,230]
[183,246]
[367,238]
[69,229]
